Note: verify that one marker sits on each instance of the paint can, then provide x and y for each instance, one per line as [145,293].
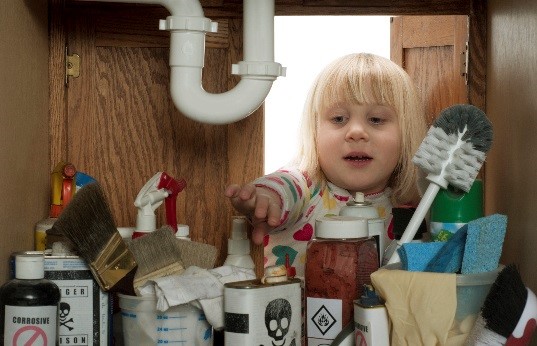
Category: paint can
[85,309]
[261,313]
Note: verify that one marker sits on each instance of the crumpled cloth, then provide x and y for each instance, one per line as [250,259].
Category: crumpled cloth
[203,288]
[421,306]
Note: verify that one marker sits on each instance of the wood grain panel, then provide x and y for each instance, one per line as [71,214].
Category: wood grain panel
[123,126]
[433,73]
[58,91]
[430,48]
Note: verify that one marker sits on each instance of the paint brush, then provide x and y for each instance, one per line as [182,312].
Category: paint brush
[88,223]
[157,254]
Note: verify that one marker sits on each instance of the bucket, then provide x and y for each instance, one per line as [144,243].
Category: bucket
[144,325]
[472,289]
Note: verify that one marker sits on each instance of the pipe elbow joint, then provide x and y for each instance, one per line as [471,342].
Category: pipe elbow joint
[197,104]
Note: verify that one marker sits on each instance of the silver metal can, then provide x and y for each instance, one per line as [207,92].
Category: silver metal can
[257,313]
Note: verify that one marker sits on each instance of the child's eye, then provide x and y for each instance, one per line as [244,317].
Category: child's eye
[338,119]
[376,120]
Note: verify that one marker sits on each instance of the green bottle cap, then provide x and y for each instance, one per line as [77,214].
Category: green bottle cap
[455,205]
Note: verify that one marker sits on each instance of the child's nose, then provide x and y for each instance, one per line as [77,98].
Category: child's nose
[356,131]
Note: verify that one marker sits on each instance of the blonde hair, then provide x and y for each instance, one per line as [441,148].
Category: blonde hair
[366,79]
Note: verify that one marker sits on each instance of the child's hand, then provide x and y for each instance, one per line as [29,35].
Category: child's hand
[262,206]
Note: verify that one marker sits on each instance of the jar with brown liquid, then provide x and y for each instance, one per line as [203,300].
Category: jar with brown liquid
[339,261]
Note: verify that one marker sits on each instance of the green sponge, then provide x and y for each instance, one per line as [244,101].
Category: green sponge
[484,243]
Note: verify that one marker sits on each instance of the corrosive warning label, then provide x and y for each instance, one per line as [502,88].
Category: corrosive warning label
[30,326]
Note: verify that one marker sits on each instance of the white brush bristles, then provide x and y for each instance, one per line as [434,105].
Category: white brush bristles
[447,159]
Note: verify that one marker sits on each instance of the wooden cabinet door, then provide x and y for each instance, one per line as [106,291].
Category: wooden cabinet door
[432,49]
[117,121]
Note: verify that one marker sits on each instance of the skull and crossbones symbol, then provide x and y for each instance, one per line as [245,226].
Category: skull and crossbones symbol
[278,320]
[65,309]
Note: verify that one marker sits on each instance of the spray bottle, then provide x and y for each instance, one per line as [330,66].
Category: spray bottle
[238,246]
[62,187]
[147,201]
[173,187]
[160,188]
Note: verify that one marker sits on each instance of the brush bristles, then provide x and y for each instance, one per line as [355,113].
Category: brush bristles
[155,251]
[455,147]
[469,120]
[432,151]
[87,221]
[505,302]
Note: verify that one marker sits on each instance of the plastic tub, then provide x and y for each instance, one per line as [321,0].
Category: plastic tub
[472,289]
[144,325]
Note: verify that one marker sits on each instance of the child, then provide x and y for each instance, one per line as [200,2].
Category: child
[361,126]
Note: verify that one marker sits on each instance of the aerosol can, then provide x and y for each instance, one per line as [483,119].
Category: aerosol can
[371,322]
[359,207]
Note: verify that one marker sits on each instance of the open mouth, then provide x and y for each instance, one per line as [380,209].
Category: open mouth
[358,158]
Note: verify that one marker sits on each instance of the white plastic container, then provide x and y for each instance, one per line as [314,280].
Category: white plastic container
[238,246]
[144,325]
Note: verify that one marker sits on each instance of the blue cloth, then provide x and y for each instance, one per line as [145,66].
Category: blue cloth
[449,258]
[415,256]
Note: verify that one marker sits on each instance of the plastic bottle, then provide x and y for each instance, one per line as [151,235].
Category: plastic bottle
[29,304]
[183,232]
[339,261]
[40,236]
[238,246]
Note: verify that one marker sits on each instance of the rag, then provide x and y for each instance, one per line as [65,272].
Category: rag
[202,288]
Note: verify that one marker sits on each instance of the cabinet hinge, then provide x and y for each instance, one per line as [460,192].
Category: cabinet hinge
[72,66]
[465,63]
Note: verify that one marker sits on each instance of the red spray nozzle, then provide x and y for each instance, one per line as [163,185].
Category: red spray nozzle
[291,271]
[173,187]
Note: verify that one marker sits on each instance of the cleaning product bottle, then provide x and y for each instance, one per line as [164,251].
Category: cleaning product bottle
[29,304]
[371,322]
[359,207]
[452,208]
[173,187]
[62,188]
[238,246]
[183,232]
[147,201]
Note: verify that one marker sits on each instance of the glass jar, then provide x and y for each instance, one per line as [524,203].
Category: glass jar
[339,261]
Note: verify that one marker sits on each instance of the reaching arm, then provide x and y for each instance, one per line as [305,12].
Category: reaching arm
[261,205]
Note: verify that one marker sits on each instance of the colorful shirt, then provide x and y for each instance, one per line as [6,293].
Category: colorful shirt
[303,201]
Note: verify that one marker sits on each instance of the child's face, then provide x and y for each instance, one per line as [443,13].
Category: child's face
[359,146]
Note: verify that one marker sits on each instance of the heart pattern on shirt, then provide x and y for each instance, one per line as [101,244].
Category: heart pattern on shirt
[305,233]
[280,251]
